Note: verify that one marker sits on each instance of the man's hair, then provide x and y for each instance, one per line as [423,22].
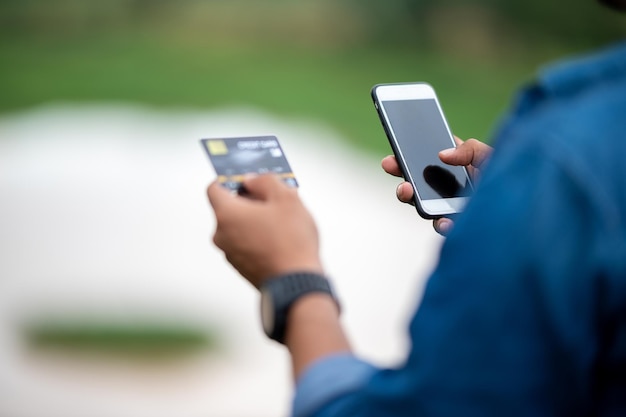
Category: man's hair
[615,4]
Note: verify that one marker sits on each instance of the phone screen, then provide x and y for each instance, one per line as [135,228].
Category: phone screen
[421,132]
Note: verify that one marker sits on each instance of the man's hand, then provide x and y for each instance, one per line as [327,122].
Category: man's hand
[472,154]
[267,233]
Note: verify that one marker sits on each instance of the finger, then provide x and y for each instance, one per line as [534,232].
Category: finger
[390,166]
[443,226]
[263,187]
[470,152]
[218,195]
[404,192]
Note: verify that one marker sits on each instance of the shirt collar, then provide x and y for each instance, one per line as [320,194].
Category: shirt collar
[571,76]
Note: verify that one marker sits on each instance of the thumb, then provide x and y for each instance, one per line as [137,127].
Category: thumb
[263,187]
[457,156]
[470,152]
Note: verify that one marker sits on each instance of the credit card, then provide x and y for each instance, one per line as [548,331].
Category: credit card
[234,158]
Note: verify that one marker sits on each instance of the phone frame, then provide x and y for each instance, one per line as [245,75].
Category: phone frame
[430,208]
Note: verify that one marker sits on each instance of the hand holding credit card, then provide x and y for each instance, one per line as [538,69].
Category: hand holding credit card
[234,158]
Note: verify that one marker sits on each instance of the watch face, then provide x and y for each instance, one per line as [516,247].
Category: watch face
[267,311]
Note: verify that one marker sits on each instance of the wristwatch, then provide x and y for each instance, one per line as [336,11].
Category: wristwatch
[278,295]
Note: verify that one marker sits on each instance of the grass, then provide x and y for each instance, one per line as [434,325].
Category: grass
[127,339]
[330,84]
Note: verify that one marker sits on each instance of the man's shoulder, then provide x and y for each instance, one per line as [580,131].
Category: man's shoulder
[576,75]
[576,103]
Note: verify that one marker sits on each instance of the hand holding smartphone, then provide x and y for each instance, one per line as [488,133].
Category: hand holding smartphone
[417,130]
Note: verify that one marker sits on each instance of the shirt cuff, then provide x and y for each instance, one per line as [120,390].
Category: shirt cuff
[327,379]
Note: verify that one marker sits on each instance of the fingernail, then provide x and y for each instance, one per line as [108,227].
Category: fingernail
[447,152]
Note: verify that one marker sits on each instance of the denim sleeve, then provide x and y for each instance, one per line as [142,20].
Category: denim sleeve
[328,379]
[506,325]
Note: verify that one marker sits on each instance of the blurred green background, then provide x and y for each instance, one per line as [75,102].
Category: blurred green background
[312,59]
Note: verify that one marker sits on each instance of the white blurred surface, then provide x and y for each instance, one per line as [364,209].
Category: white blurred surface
[103,211]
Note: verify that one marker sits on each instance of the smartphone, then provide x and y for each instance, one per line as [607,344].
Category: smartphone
[417,130]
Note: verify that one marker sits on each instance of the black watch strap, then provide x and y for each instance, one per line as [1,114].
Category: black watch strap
[280,293]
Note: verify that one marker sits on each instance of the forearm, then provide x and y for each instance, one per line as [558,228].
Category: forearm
[314,331]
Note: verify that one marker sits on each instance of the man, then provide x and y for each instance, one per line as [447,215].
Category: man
[525,313]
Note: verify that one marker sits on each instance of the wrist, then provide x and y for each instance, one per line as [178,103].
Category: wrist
[314,331]
[281,293]
[314,310]
[313,306]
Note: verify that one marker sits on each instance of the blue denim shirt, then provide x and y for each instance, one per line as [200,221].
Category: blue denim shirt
[525,314]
